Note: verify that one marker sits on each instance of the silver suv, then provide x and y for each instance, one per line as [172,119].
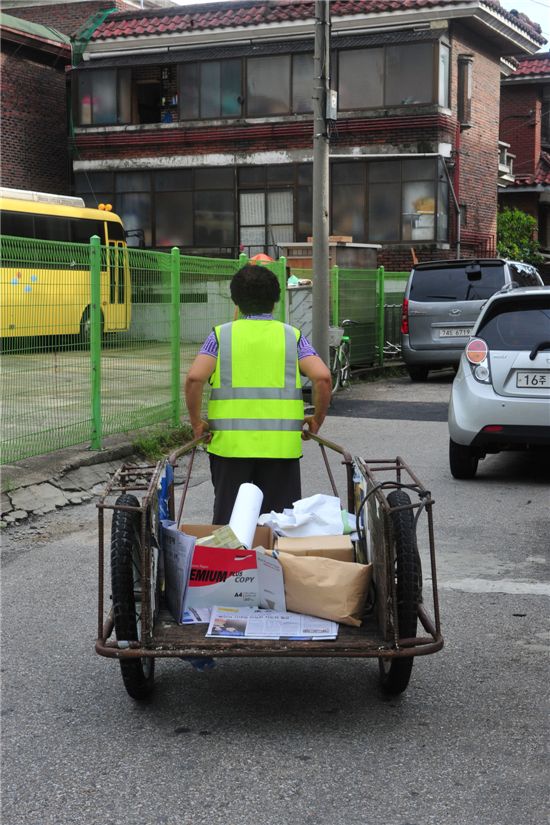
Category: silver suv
[442,302]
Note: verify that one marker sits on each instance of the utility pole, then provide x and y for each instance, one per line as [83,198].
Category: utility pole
[321,74]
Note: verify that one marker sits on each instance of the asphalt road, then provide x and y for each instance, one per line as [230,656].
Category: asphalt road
[298,741]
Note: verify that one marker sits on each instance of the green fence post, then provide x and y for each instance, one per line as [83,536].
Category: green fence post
[175,334]
[335,295]
[381,303]
[281,275]
[243,260]
[95,339]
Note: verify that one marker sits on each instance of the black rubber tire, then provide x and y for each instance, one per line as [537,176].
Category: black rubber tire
[138,674]
[334,366]
[417,373]
[396,673]
[84,336]
[463,460]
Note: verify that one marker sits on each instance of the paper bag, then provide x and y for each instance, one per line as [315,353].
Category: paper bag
[330,589]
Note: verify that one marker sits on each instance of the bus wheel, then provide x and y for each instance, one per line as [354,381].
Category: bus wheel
[86,328]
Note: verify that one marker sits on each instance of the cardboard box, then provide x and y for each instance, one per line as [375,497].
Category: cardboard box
[228,577]
[328,547]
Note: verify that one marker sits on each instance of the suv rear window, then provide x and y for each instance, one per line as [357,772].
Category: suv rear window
[474,283]
[520,325]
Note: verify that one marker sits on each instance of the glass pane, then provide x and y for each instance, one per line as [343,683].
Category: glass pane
[18,224]
[385,170]
[189,90]
[85,98]
[421,169]
[361,83]
[252,208]
[443,211]
[173,179]
[305,212]
[49,228]
[135,211]
[174,219]
[302,83]
[210,89]
[279,235]
[82,231]
[305,173]
[418,211]
[409,74]
[280,207]
[214,219]
[353,172]
[253,235]
[384,212]
[133,182]
[252,174]
[104,96]
[268,85]
[231,88]
[443,75]
[348,211]
[124,95]
[214,178]
[93,182]
[280,174]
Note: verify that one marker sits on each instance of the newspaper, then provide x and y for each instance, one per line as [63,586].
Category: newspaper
[251,623]
[196,615]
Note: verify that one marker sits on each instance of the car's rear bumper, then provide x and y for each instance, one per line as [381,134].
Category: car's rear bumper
[440,357]
[474,406]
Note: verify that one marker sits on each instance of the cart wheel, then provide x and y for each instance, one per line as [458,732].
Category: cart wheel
[126,575]
[395,673]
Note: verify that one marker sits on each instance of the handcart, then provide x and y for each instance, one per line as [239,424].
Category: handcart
[388,501]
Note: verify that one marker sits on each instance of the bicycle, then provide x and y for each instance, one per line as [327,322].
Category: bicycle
[339,355]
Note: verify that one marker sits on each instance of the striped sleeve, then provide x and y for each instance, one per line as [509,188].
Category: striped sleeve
[305,348]
[210,346]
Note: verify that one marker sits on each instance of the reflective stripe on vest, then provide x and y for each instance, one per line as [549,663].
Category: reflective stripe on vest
[249,421]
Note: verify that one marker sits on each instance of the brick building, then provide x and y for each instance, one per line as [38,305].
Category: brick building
[33,111]
[525,128]
[197,123]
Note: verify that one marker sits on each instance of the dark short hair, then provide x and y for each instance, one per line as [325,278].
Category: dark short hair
[255,289]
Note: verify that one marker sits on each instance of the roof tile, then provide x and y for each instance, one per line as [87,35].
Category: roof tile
[254,12]
[534,65]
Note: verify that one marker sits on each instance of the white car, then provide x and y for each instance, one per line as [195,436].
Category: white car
[500,397]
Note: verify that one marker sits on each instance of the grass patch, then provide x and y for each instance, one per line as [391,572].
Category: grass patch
[156,442]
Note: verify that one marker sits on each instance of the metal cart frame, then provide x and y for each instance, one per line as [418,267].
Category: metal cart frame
[379,637]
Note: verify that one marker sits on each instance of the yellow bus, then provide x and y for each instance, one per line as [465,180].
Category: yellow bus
[45,288]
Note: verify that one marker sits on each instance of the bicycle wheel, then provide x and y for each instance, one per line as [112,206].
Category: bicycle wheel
[345,364]
[335,367]
[396,673]
[126,577]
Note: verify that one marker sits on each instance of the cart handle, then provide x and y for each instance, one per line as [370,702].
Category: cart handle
[186,448]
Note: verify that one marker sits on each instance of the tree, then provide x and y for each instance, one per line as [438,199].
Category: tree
[516,236]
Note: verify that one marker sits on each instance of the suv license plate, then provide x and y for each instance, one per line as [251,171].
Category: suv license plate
[455,332]
[533,379]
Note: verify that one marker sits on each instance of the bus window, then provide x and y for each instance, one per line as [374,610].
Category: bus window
[82,230]
[115,232]
[51,228]
[18,224]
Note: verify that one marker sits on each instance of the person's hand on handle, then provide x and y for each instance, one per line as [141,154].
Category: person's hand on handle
[201,428]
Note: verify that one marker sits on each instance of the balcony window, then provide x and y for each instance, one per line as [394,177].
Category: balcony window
[392,76]
[211,89]
[98,95]
[302,83]
[268,85]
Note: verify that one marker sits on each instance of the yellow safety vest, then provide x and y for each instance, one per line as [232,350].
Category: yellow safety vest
[256,407]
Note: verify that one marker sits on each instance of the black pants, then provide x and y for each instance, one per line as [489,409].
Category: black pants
[277,478]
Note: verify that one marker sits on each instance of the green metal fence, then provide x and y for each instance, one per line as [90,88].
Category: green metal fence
[96,340]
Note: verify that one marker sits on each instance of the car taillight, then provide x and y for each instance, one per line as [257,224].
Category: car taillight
[405,317]
[476,351]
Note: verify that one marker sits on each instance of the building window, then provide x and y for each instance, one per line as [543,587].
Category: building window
[266,207]
[98,96]
[348,200]
[392,76]
[268,85]
[211,89]
[464,90]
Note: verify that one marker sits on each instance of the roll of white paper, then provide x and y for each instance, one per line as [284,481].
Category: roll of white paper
[246,510]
